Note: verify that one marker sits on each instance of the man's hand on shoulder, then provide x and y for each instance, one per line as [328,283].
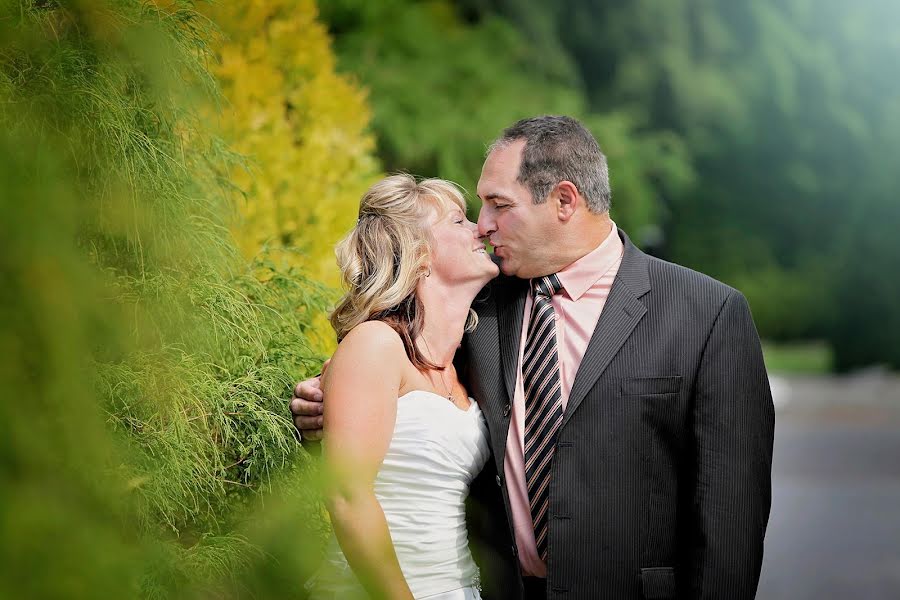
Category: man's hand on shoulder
[307,405]
[372,338]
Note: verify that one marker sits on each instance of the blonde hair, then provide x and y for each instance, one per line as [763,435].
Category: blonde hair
[387,253]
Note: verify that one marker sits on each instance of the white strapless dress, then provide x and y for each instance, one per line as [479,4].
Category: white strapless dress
[435,452]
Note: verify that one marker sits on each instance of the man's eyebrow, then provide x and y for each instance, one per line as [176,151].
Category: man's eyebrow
[496,196]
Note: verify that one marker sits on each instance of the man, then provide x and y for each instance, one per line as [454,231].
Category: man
[627,402]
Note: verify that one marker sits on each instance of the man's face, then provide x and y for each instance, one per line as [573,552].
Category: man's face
[522,233]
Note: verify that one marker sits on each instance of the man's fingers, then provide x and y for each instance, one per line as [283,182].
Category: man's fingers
[295,406]
[307,424]
[306,388]
[305,408]
[313,435]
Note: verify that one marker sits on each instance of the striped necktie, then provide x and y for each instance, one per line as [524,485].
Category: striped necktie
[543,403]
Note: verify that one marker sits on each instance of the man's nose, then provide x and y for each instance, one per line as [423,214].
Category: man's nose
[486,225]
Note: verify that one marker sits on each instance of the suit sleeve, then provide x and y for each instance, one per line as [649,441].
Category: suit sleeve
[734,422]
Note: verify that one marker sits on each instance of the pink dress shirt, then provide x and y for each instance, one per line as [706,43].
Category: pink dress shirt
[586,284]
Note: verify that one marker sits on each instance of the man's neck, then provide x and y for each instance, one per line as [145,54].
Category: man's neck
[582,242]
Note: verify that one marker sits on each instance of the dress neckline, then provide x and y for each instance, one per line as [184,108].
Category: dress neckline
[472,402]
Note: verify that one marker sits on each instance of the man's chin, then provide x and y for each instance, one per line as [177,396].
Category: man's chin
[507,268]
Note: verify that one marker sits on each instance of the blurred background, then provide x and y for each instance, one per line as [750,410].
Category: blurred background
[174,176]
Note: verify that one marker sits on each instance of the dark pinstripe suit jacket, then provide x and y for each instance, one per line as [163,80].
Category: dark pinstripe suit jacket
[661,478]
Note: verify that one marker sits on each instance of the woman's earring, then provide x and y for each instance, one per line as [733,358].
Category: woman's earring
[428,274]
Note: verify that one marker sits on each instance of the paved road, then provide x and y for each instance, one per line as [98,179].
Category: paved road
[834,532]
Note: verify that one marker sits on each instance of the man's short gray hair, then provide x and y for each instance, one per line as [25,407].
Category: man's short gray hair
[559,149]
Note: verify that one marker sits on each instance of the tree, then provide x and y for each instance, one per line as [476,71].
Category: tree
[301,125]
[444,84]
[788,118]
[146,362]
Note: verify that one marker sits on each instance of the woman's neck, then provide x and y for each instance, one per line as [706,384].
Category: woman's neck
[446,313]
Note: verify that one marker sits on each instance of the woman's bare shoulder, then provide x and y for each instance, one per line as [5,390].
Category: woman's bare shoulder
[371,355]
[373,343]
[375,335]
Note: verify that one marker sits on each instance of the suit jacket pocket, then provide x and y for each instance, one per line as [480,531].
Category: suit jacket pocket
[649,386]
[658,583]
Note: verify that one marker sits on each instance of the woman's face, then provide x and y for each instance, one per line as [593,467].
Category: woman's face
[458,255]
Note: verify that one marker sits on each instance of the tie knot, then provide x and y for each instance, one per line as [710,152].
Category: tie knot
[546,286]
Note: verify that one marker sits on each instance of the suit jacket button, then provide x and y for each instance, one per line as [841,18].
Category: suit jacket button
[499,481]
[506,410]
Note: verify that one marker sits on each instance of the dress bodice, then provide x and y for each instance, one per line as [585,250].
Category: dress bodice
[435,451]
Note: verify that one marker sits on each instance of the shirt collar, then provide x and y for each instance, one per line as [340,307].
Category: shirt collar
[578,277]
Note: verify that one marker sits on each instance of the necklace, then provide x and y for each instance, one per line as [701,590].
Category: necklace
[449,388]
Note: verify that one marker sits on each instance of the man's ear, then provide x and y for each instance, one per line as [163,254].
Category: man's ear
[568,198]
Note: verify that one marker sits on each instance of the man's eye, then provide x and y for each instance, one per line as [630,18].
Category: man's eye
[501,205]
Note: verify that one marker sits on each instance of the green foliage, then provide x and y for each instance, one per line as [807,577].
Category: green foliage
[58,504]
[867,322]
[439,88]
[807,358]
[442,88]
[146,364]
[302,126]
[786,111]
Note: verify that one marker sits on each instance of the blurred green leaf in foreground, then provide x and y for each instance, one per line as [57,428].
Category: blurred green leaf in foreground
[145,364]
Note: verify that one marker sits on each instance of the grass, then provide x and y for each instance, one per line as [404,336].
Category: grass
[798,358]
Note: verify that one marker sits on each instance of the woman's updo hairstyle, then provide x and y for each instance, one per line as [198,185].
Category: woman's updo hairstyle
[386,254]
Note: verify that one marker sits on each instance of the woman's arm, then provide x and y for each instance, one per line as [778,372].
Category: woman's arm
[362,385]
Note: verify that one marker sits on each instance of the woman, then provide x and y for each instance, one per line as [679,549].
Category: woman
[403,438]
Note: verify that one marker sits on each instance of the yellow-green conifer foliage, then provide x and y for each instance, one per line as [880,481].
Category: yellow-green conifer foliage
[146,447]
[302,125]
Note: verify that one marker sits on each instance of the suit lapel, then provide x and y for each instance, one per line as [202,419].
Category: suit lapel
[512,305]
[621,314]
